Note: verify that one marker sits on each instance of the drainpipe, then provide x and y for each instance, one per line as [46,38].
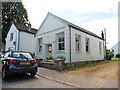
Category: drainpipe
[70,42]
[18,40]
[103,48]
[105,42]
[15,40]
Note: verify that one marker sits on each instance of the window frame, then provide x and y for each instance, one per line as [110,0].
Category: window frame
[87,45]
[60,41]
[100,48]
[78,43]
[40,41]
[11,36]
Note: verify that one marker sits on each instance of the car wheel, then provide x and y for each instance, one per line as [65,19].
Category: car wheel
[4,74]
[33,74]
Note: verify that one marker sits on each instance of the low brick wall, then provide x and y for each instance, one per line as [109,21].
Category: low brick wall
[59,66]
[48,65]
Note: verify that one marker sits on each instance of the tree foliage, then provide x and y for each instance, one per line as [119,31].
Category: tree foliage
[117,56]
[109,54]
[12,11]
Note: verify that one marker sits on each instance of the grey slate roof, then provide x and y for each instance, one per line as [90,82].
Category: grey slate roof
[77,27]
[24,28]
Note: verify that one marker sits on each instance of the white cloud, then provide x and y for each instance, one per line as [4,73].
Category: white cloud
[78,6]
[111,25]
[37,10]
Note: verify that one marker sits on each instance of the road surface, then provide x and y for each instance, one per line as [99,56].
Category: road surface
[26,81]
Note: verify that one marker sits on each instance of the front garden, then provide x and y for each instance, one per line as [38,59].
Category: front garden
[56,64]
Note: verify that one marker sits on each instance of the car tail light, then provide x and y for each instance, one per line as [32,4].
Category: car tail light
[35,61]
[11,61]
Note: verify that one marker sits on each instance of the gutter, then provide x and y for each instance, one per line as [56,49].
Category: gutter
[87,32]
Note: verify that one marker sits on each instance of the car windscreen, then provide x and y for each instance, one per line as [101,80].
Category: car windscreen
[21,55]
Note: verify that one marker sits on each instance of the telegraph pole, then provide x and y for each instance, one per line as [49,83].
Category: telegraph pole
[105,41]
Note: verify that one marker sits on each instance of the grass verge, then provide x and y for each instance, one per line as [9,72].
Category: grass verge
[88,64]
[115,59]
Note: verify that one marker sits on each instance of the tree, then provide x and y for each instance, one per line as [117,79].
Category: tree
[117,56]
[109,54]
[12,12]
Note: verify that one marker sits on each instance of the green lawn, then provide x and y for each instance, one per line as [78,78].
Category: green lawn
[116,59]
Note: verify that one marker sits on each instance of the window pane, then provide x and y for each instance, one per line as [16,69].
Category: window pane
[87,41]
[40,48]
[40,41]
[11,36]
[21,55]
[61,42]
[61,46]
[100,48]
[86,48]
[59,39]
[40,44]
[77,40]
[78,47]
[62,39]
[87,44]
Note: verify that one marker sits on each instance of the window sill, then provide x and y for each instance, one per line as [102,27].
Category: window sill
[61,51]
[78,52]
[87,52]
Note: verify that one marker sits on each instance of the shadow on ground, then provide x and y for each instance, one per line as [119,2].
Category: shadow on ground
[19,78]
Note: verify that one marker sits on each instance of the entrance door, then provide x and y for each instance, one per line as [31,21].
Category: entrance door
[49,50]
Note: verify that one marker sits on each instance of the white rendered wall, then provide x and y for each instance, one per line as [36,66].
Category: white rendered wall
[27,42]
[116,49]
[9,44]
[94,47]
[51,38]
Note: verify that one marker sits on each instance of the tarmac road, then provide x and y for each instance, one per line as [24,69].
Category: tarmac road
[26,81]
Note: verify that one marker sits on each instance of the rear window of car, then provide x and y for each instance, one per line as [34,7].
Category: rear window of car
[6,55]
[21,55]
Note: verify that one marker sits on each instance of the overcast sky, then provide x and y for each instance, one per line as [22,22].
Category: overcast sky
[93,15]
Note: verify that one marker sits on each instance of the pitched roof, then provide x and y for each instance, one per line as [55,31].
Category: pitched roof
[23,28]
[77,27]
[116,44]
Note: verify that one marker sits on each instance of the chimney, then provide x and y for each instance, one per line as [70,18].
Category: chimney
[29,27]
[102,34]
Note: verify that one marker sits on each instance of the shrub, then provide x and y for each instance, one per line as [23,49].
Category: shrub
[61,57]
[49,58]
[117,56]
[109,54]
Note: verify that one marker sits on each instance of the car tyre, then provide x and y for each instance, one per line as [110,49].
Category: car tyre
[4,74]
[33,74]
